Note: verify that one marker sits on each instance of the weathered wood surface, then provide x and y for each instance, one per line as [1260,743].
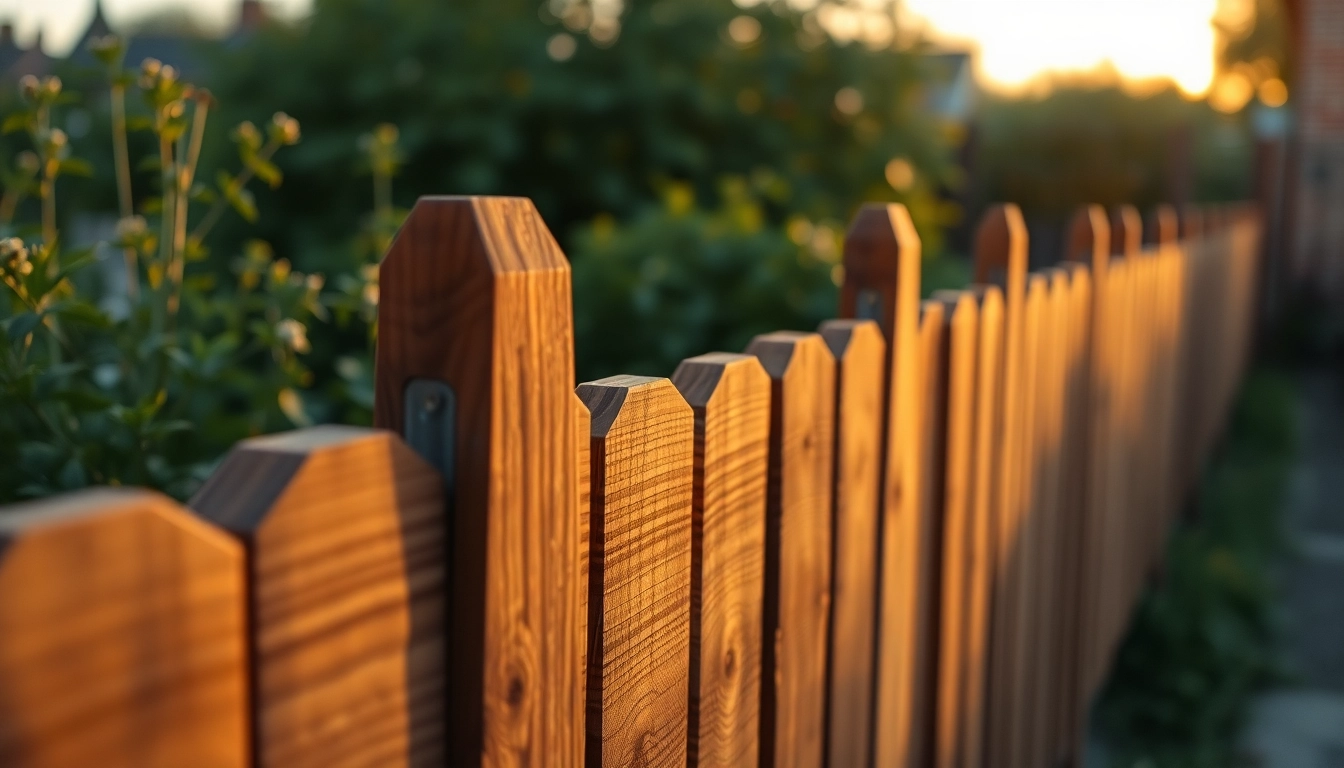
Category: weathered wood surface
[860,388]
[730,397]
[344,532]
[882,264]
[122,621]
[476,293]
[797,547]
[643,444]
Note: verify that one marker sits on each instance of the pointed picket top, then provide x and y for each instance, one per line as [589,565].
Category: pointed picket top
[476,311]
[1162,226]
[881,260]
[1126,230]
[1089,239]
[1001,244]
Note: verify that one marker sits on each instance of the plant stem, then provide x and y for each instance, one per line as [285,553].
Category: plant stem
[166,214]
[185,177]
[240,181]
[121,155]
[47,186]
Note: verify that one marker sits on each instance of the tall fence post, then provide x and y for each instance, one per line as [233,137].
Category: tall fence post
[344,533]
[797,547]
[881,265]
[639,572]
[1001,258]
[122,621]
[475,367]
[730,396]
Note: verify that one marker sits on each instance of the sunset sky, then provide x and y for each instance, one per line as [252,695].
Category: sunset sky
[1018,40]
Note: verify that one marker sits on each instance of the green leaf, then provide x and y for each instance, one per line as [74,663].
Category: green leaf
[73,166]
[140,123]
[84,400]
[265,170]
[81,312]
[149,163]
[243,202]
[19,121]
[20,326]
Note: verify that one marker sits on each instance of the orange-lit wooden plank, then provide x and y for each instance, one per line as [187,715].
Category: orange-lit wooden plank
[984,507]
[797,546]
[1068,713]
[643,444]
[730,396]
[475,293]
[1089,245]
[960,550]
[860,356]
[344,530]
[882,263]
[1001,257]
[122,636]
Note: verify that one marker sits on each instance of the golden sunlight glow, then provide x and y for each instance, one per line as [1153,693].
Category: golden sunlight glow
[1020,41]
[1273,92]
[1231,92]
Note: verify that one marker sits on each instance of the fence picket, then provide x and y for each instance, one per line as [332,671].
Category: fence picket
[344,533]
[1001,258]
[122,621]
[860,357]
[730,397]
[956,361]
[881,267]
[797,547]
[475,294]
[643,444]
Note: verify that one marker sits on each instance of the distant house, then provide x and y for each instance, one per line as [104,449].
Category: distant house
[178,49]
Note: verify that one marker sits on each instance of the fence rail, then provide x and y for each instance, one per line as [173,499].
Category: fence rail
[912,538]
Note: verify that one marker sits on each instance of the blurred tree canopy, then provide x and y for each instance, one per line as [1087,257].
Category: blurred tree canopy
[597,117]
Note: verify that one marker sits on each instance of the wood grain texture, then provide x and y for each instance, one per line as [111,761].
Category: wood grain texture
[730,397]
[984,508]
[797,547]
[882,272]
[122,623]
[643,445]
[1001,258]
[957,359]
[860,389]
[476,293]
[344,530]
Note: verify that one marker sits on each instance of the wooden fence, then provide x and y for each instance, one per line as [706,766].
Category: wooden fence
[912,538]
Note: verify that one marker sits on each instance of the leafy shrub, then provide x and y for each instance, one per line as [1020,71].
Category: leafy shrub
[148,381]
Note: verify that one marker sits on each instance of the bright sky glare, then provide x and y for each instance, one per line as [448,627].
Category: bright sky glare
[1022,39]
[1018,40]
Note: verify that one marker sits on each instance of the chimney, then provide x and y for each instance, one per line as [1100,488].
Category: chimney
[251,16]
[37,41]
[6,35]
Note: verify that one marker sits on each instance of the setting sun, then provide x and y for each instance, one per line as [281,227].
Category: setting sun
[1021,41]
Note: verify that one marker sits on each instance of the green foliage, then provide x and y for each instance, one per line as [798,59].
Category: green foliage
[585,114]
[150,381]
[1103,145]
[1204,639]
[678,281]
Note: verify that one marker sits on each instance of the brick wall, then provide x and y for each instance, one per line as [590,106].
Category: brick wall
[1318,253]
